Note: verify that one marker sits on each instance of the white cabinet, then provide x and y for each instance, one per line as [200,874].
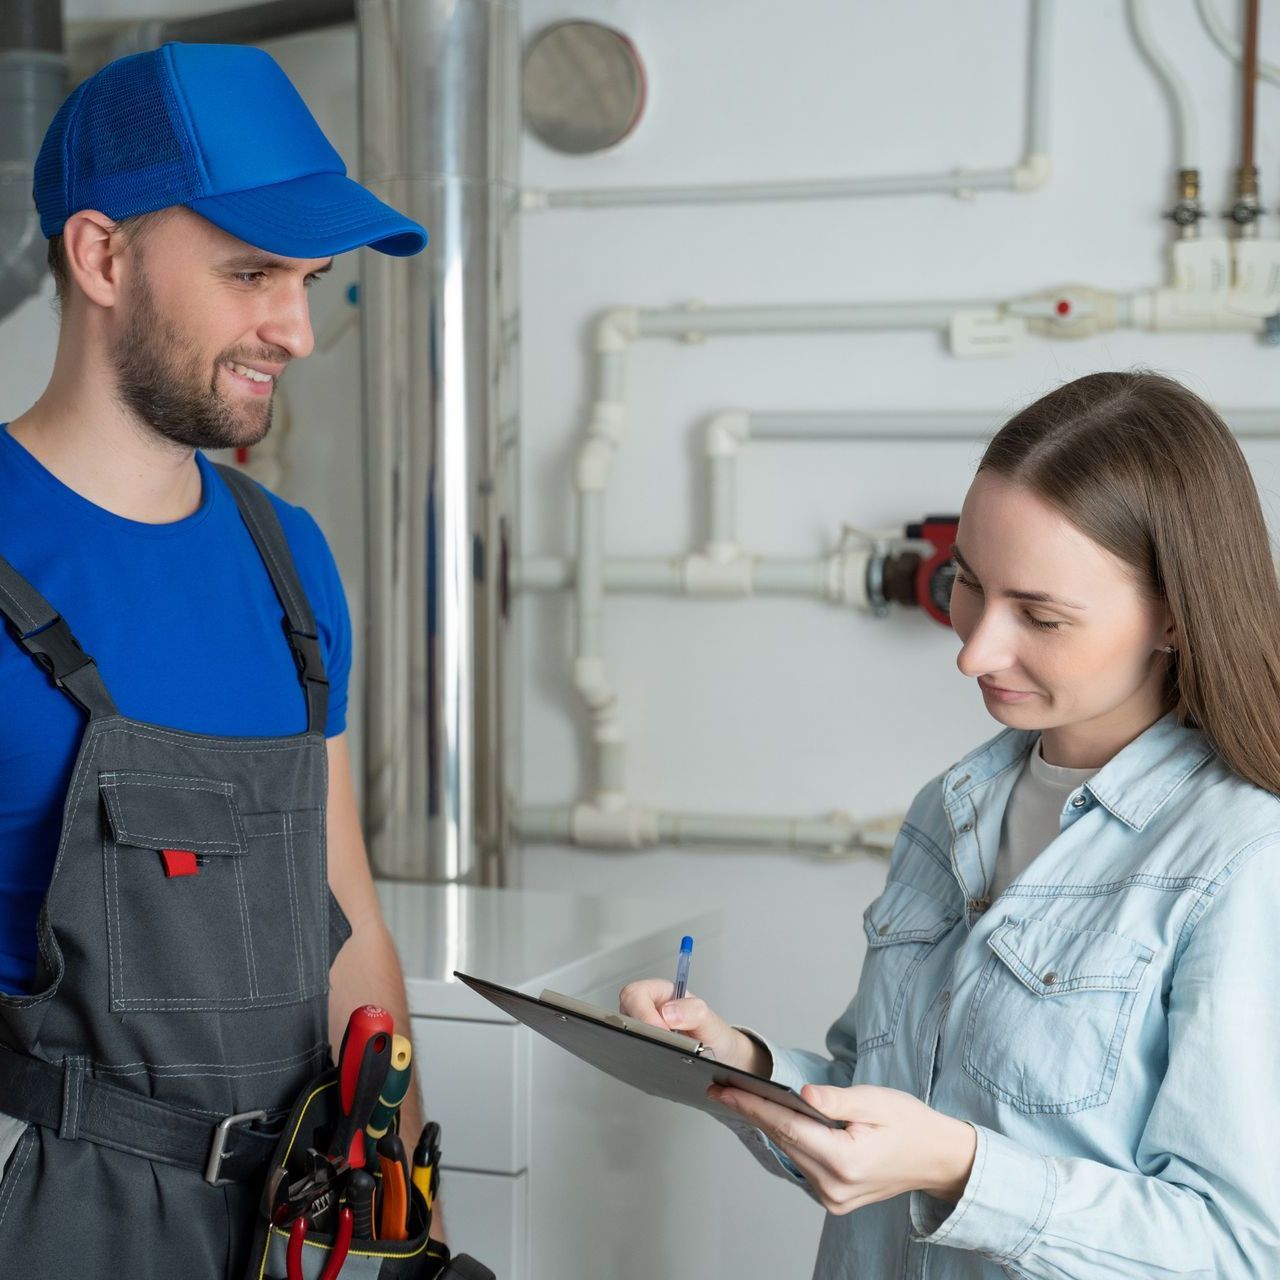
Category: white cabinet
[552,1170]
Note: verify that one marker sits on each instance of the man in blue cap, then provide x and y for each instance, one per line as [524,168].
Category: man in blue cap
[180,854]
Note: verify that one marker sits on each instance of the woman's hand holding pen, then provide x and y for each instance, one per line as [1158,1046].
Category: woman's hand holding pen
[650,1000]
[891,1143]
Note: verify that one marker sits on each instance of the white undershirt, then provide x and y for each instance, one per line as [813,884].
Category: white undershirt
[1033,816]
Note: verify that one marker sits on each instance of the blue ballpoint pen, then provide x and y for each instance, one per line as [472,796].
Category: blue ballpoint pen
[682,967]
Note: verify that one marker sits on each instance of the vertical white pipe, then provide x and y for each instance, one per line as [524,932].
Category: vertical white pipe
[1188,144]
[722,502]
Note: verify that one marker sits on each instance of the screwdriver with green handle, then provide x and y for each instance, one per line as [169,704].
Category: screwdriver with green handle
[394,1089]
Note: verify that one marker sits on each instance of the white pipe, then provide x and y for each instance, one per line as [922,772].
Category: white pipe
[1030,172]
[958,183]
[722,503]
[836,836]
[1038,85]
[888,425]
[589,580]
[723,568]
[809,577]
[695,322]
[1229,45]
[1188,144]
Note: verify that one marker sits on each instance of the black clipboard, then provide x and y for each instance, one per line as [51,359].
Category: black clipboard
[652,1066]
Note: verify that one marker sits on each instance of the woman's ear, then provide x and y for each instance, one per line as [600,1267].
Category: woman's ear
[92,256]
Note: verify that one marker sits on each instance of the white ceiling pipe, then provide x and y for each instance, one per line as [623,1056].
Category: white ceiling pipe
[1030,172]
[1183,112]
[696,321]
[1229,45]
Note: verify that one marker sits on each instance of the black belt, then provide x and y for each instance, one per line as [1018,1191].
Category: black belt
[64,1098]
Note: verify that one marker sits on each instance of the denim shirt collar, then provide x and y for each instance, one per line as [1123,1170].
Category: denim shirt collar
[1133,785]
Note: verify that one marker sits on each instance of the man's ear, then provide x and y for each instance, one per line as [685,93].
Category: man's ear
[92,254]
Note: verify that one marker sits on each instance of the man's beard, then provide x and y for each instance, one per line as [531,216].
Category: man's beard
[160,377]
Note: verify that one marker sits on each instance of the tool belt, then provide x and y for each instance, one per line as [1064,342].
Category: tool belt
[65,1099]
[300,1213]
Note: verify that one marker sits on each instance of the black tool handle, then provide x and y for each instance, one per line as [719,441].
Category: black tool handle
[360,1192]
[391,1145]
[348,1135]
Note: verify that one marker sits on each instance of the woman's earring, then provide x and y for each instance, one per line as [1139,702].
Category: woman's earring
[1168,648]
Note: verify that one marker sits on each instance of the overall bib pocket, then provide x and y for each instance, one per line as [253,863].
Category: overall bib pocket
[1050,1013]
[207,907]
[902,926]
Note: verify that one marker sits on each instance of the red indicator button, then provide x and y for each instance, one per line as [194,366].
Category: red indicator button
[1063,308]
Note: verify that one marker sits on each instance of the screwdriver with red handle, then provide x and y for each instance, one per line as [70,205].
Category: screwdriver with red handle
[363,1061]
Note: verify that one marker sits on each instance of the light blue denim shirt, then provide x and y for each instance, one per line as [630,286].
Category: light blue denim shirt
[1110,1026]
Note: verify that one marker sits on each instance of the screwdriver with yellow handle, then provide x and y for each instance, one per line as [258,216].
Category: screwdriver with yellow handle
[394,1089]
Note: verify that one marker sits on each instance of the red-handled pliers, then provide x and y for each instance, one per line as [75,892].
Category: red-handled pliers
[338,1255]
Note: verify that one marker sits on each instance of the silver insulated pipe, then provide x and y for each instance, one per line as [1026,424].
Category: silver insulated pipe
[439,86]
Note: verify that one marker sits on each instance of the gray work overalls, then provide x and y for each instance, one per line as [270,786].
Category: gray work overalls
[183,971]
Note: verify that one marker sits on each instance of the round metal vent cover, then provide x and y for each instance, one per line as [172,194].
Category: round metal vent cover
[584,87]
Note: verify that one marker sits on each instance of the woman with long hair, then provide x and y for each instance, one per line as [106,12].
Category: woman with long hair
[1061,1059]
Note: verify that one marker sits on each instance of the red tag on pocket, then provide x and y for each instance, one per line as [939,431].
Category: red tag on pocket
[179,862]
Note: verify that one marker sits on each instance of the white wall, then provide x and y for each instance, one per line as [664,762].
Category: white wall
[775,706]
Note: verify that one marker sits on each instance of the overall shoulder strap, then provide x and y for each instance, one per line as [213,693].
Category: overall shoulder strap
[44,634]
[299,622]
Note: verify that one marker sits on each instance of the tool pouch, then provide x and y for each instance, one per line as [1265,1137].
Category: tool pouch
[417,1258]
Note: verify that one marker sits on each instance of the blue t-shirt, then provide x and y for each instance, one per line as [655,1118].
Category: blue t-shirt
[185,628]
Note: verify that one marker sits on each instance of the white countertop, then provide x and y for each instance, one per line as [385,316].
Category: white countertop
[523,938]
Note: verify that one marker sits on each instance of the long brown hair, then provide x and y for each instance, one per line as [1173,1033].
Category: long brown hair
[1149,471]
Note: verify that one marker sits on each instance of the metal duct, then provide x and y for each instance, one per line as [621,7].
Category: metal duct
[439,133]
[33,82]
[248,24]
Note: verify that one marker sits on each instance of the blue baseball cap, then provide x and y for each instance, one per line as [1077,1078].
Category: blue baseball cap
[220,129]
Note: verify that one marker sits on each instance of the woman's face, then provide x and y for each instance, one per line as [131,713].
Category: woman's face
[1055,630]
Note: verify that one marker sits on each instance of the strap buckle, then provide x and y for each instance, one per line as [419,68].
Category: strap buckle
[57,650]
[306,653]
[218,1148]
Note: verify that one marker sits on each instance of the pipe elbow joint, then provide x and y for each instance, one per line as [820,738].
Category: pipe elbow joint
[1032,173]
[592,683]
[617,329]
[726,433]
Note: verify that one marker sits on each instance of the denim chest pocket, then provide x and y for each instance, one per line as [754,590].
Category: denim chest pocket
[1050,1013]
[902,926]
[247,921]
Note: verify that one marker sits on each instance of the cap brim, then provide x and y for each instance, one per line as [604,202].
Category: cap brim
[313,217]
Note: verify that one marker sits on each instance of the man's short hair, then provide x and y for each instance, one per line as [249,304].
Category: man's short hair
[130,231]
